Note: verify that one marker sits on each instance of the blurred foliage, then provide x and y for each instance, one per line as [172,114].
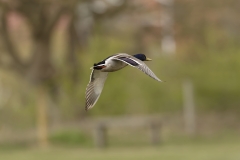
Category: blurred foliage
[213,71]
[71,138]
[208,54]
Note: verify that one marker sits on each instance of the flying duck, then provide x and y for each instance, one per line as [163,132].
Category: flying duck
[111,64]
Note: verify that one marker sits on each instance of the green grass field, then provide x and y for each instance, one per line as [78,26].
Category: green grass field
[188,151]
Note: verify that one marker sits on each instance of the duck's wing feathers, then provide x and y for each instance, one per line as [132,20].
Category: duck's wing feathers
[94,87]
[134,62]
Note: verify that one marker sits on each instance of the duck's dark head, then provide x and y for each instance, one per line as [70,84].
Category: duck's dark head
[142,57]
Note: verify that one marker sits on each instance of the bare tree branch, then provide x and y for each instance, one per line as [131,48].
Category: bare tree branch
[52,22]
[7,41]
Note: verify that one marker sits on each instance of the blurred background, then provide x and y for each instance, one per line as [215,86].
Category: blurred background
[48,46]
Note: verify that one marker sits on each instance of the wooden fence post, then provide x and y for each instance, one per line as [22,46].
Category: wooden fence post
[100,135]
[154,133]
[189,107]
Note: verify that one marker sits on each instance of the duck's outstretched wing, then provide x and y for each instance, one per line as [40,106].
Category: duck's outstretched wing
[94,87]
[134,62]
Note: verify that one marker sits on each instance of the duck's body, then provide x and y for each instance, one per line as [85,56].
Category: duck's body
[111,64]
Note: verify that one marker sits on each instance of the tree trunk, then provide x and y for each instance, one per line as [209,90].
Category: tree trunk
[42,117]
[40,75]
[41,69]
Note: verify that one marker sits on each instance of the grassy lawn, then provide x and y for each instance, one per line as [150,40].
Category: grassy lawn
[193,151]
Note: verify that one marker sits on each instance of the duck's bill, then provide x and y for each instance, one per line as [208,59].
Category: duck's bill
[148,59]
